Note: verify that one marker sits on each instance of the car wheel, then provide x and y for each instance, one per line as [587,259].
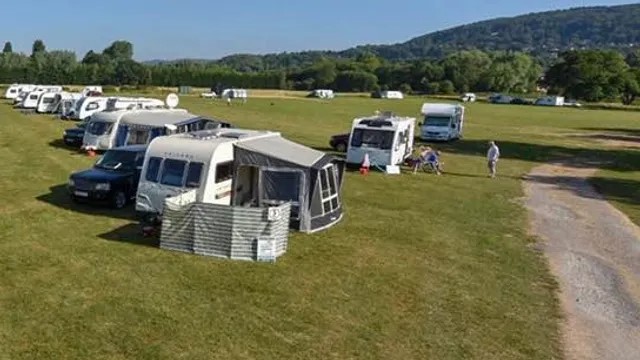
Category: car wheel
[119,200]
[341,147]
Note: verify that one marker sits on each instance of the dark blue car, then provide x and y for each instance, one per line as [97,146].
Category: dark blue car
[113,180]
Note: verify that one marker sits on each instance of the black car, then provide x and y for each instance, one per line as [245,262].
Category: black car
[339,142]
[521,101]
[112,180]
[74,136]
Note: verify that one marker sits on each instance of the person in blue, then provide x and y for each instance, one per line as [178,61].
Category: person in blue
[433,160]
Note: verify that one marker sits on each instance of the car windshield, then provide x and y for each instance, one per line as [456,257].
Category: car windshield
[118,160]
[379,139]
[99,128]
[431,120]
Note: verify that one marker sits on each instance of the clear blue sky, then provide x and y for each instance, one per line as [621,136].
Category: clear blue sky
[169,29]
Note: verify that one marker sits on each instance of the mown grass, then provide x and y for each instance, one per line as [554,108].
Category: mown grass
[422,267]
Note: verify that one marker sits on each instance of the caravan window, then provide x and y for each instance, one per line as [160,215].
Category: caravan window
[173,172]
[48,100]
[33,97]
[153,169]
[380,139]
[224,171]
[92,106]
[193,175]
[328,182]
[138,137]
[99,128]
[431,120]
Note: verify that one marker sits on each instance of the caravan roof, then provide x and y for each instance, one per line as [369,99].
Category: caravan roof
[283,149]
[445,109]
[158,117]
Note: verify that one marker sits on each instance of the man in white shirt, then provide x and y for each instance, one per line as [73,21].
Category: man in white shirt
[492,158]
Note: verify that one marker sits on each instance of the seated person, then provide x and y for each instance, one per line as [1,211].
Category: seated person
[433,160]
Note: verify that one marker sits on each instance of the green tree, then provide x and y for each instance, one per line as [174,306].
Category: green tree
[324,73]
[405,88]
[8,48]
[119,50]
[630,86]
[446,87]
[38,48]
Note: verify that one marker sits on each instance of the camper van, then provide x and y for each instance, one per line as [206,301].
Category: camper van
[115,128]
[14,90]
[90,105]
[243,168]
[385,137]
[442,122]
[550,101]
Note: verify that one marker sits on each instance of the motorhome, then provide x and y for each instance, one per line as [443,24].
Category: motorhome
[550,101]
[385,137]
[14,90]
[115,128]
[442,122]
[323,94]
[243,168]
[90,105]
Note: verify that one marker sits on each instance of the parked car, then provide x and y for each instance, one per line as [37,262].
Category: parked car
[73,136]
[521,101]
[112,180]
[339,142]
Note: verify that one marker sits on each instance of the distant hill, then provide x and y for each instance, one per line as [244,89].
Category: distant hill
[541,34]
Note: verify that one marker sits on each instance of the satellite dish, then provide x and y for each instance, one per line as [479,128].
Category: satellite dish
[172,100]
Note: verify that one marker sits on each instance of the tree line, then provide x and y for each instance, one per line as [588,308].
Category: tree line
[591,75]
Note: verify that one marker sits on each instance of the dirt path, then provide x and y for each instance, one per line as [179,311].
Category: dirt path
[594,251]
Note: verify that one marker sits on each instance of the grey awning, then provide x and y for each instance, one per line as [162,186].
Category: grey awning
[283,149]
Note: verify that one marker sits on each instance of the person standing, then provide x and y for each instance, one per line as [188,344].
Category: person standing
[492,158]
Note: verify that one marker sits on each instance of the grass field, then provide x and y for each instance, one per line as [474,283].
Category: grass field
[422,267]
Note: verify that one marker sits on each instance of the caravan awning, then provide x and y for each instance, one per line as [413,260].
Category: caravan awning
[282,149]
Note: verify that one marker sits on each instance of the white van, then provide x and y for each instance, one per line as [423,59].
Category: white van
[443,122]
[202,160]
[388,139]
[323,94]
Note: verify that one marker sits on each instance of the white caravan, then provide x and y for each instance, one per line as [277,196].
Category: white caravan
[47,102]
[391,95]
[14,90]
[442,122]
[31,100]
[90,105]
[234,94]
[386,138]
[323,94]
[109,129]
[201,160]
[550,101]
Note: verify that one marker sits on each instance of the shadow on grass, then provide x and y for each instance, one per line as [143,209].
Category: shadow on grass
[610,159]
[60,144]
[624,131]
[131,234]
[620,190]
[59,197]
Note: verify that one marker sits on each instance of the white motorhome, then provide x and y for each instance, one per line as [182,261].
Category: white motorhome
[90,105]
[550,101]
[14,90]
[200,160]
[323,94]
[442,122]
[385,137]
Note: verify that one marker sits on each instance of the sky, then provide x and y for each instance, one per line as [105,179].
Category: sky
[171,29]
